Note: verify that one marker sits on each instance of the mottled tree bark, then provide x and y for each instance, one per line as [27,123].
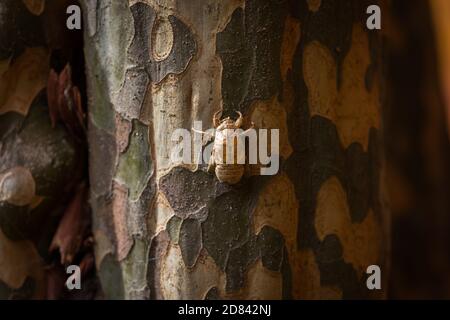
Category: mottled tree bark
[308,68]
[36,161]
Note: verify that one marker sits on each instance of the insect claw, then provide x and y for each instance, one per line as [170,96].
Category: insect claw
[216,119]
[240,120]
[208,135]
[198,131]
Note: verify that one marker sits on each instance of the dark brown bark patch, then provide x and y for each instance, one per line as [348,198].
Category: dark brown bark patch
[183,50]
[249,48]
[188,193]
[190,241]
[271,244]
[334,271]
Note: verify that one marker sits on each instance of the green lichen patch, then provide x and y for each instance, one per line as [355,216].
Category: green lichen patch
[135,164]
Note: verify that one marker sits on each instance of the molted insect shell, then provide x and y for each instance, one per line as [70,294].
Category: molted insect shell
[228,143]
[229,173]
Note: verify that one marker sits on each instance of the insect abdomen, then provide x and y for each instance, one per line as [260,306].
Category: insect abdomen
[229,173]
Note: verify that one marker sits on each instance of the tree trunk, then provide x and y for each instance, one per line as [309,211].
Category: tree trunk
[167,231]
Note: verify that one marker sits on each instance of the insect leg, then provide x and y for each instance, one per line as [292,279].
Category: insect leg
[212,163]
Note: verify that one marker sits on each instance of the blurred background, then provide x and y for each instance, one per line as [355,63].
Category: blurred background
[417,148]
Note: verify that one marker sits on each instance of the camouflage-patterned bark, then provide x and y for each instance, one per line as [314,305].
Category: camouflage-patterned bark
[307,68]
[38,163]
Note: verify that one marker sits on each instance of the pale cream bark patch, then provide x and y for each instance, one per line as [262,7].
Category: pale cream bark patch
[20,260]
[352,108]
[160,215]
[361,242]
[23,80]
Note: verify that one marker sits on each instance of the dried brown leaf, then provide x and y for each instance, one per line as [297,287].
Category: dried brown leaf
[55,279]
[65,102]
[71,230]
[87,263]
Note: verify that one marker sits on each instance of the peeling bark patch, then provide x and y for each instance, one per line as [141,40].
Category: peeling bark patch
[190,241]
[227,226]
[120,211]
[132,94]
[162,39]
[239,261]
[173,228]
[90,9]
[271,244]
[188,193]
[334,271]
[249,48]
[103,227]
[123,131]
[158,249]
[268,246]
[183,49]
[135,164]
[111,278]
[223,226]
[103,166]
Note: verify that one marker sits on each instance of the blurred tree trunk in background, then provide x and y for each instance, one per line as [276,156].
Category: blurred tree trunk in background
[418,153]
[40,165]
[441,23]
[308,68]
